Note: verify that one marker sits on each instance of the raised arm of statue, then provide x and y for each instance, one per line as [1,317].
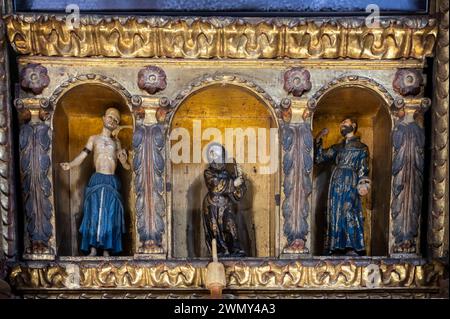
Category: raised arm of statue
[323,154]
[81,157]
[320,154]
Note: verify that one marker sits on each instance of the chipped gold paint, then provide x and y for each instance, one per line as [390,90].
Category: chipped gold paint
[131,276]
[45,277]
[206,38]
[274,275]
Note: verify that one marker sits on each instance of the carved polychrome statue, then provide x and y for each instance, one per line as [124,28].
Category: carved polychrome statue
[225,189]
[103,213]
[349,181]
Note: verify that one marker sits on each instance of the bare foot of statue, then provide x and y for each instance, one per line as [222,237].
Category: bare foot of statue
[105,253]
[93,252]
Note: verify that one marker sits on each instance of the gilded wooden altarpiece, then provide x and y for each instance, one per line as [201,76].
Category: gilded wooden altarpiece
[291,66]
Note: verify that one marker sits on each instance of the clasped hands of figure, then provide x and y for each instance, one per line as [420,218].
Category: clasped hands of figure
[238,181]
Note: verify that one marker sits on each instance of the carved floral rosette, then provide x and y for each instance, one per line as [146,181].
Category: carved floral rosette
[152,79]
[34,78]
[297,81]
[408,82]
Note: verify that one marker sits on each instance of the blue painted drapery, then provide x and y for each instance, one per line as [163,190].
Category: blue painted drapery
[103,214]
[345,214]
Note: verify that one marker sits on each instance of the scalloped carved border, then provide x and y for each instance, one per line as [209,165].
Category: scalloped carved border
[243,38]
[352,80]
[321,275]
[92,78]
[169,107]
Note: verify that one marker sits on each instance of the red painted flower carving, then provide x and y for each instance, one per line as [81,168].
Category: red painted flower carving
[296,81]
[152,79]
[34,78]
[408,82]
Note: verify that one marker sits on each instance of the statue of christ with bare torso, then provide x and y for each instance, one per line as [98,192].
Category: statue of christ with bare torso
[103,213]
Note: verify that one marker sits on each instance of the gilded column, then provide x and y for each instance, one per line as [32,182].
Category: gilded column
[35,170]
[7,207]
[408,141]
[149,169]
[297,142]
[438,215]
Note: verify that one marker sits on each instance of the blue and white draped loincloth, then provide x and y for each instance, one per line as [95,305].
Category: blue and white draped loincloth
[103,214]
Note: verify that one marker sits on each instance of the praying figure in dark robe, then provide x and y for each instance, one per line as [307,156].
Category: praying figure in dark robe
[225,189]
[349,182]
[103,214]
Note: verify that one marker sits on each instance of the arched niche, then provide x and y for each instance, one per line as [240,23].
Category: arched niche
[371,110]
[78,115]
[223,106]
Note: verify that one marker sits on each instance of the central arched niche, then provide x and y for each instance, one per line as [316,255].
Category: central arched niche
[223,106]
[374,129]
[78,115]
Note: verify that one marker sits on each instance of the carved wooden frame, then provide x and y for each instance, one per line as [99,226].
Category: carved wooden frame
[438,216]
[351,81]
[279,112]
[40,111]
[402,112]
